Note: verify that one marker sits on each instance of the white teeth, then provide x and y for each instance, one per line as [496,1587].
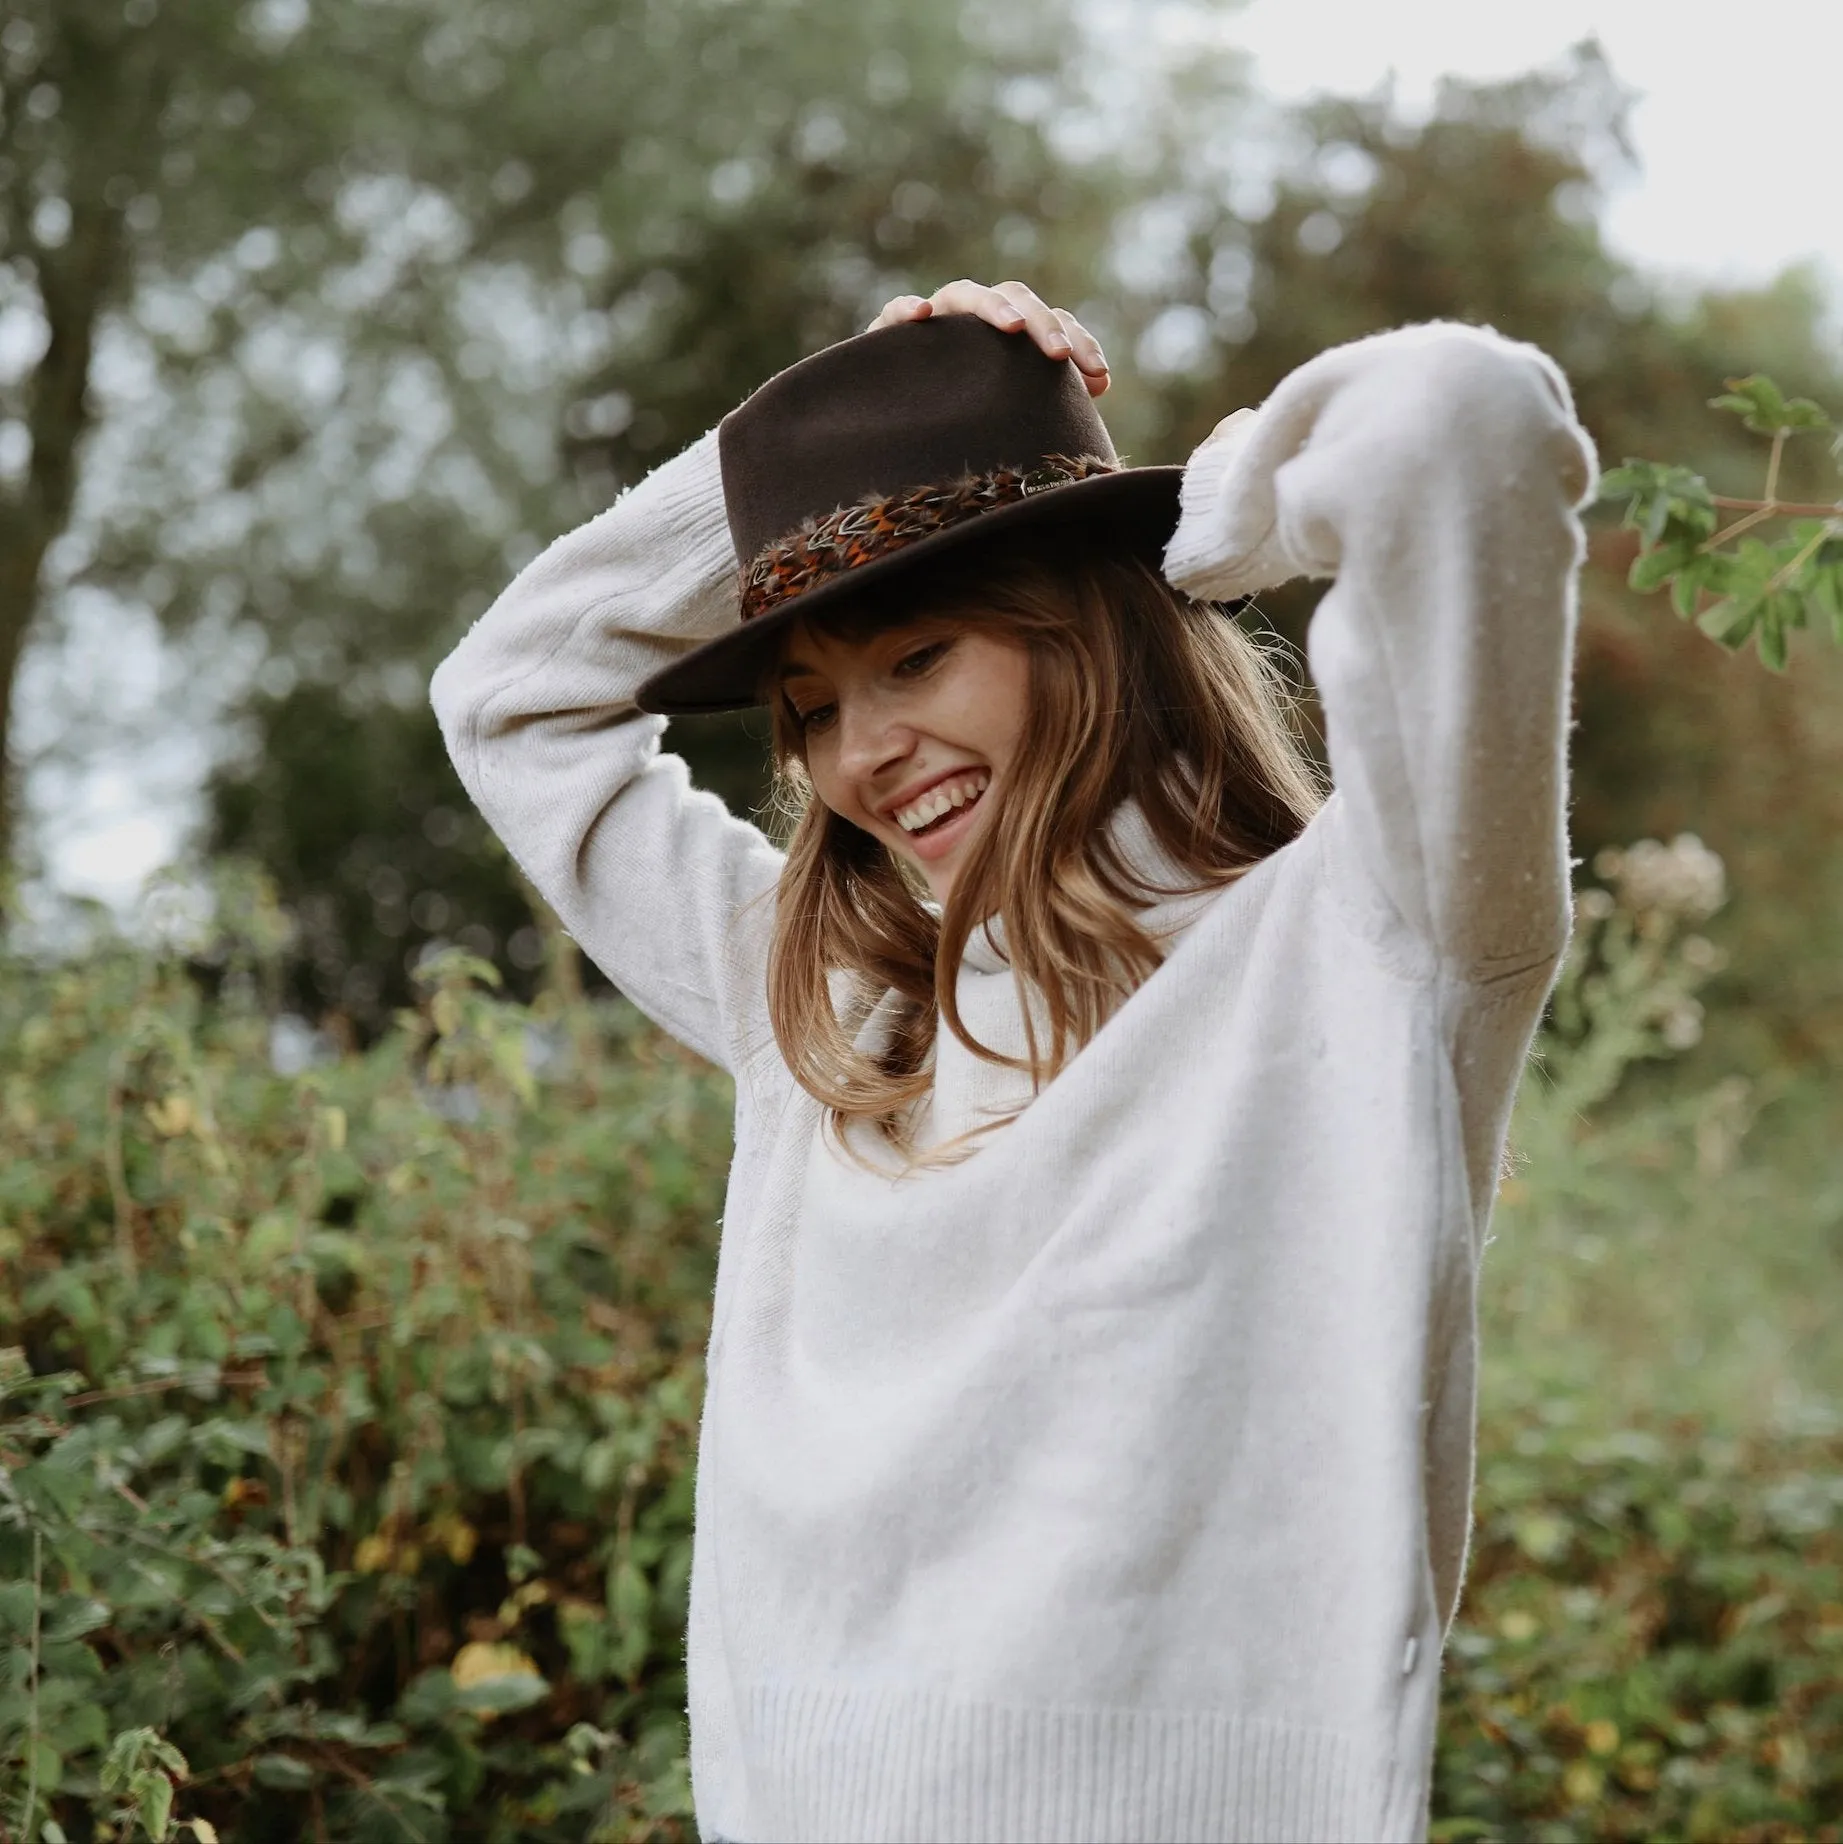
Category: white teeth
[942,800]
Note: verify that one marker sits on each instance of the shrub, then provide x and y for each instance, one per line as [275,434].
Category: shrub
[347,1422]
[348,1417]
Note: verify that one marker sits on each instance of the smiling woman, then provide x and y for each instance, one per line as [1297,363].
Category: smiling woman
[1106,1476]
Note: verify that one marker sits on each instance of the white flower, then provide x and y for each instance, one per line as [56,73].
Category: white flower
[1682,1024]
[1683,878]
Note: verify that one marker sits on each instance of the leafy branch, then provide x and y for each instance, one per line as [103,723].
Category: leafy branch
[1733,584]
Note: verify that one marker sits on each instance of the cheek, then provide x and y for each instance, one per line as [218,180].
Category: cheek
[1002,702]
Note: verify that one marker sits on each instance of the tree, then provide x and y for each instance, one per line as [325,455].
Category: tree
[388,295]
[1488,211]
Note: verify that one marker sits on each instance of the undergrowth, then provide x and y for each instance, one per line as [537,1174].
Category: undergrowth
[347,1421]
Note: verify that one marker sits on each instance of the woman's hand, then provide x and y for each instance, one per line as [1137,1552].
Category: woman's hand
[1012,308]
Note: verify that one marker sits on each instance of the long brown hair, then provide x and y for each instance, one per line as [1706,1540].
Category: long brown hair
[1135,691]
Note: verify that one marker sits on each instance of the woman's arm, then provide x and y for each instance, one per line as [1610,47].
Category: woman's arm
[655,880]
[1436,473]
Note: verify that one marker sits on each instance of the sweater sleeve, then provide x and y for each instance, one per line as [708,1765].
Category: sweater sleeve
[1435,472]
[656,881]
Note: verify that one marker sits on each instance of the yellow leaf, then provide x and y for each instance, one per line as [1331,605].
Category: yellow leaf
[373,1554]
[333,1124]
[1583,1782]
[171,1116]
[1602,1736]
[204,1830]
[456,1536]
[1517,1626]
[480,1659]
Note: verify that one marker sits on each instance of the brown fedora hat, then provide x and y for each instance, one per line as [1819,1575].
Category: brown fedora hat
[884,452]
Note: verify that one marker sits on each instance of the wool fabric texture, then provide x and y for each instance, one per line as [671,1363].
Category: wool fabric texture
[1114,1483]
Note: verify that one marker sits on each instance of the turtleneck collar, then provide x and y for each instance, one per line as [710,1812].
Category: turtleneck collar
[1133,838]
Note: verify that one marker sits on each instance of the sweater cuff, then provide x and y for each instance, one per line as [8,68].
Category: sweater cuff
[683,501]
[1227,540]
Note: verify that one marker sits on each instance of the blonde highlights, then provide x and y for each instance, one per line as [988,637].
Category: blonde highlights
[1135,692]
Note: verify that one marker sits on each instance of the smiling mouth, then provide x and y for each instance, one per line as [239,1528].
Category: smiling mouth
[942,805]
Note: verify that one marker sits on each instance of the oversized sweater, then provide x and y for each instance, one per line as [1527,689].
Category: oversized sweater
[1114,1483]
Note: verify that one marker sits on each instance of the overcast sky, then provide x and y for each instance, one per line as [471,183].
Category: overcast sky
[1751,188]
[1727,192]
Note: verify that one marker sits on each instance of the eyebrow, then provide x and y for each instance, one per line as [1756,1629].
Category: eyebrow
[795,669]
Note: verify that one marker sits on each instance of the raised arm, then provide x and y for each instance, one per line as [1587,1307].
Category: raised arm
[1435,472]
[656,881]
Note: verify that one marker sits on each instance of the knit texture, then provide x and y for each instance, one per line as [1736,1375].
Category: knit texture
[1113,1483]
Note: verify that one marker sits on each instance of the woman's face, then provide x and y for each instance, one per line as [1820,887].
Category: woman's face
[908,732]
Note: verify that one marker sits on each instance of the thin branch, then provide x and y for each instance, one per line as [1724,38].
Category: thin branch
[1779,508]
[1734,531]
[155,1385]
[1772,466]
[1786,572]
[115,1164]
[38,1596]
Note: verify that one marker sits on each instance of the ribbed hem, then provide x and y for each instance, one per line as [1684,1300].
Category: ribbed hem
[1199,559]
[871,1766]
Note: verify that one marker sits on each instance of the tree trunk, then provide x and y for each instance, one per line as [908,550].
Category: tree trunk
[75,282]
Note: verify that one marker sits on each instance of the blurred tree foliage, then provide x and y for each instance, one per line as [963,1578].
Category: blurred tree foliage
[1489,212]
[373,301]
[344,310]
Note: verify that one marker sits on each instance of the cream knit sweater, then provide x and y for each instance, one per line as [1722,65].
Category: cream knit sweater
[1113,1484]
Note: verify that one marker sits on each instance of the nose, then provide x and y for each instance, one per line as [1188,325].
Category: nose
[870,738]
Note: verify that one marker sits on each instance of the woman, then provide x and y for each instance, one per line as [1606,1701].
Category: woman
[1087,1451]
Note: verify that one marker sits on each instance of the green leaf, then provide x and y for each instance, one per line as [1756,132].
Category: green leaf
[427,1700]
[73,1615]
[16,1602]
[1826,593]
[283,1772]
[151,1793]
[1728,623]
[502,1693]
[1686,588]
[1770,638]
[1652,569]
[1764,408]
[49,1765]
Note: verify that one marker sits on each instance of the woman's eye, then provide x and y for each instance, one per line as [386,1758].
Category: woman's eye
[923,657]
[815,719]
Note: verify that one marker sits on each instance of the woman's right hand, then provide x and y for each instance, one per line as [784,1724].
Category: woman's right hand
[1012,308]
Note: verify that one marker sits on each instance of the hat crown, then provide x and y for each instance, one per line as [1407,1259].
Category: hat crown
[922,404]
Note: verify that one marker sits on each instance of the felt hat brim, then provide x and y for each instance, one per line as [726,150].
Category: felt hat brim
[1135,509]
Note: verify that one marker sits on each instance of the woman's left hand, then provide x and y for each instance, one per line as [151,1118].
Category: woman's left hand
[1012,308]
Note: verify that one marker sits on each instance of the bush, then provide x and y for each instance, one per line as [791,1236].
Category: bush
[1652,1638]
[348,1417]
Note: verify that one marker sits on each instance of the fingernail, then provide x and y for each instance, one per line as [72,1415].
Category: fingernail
[1014,319]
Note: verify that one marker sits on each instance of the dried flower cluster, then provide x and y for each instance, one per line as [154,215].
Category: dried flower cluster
[1683,879]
